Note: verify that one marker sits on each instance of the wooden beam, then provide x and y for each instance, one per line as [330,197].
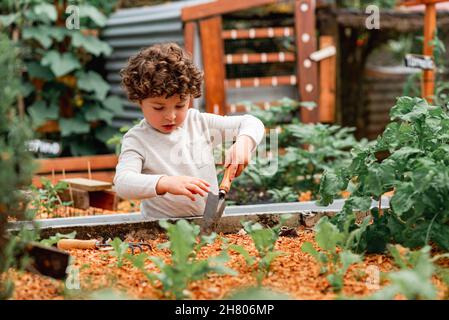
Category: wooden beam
[430,24]
[212,49]
[307,72]
[254,33]
[219,7]
[269,57]
[106,161]
[327,83]
[411,3]
[97,175]
[289,80]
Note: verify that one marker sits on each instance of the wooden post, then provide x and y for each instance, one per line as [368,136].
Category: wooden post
[428,78]
[306,68]
[89,172]
[189,37]
[214,70]
[327,83]
[189,42]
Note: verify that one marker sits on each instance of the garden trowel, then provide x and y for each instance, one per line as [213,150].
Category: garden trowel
[215,204]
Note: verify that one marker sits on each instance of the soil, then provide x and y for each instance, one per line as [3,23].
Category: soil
[124,206]
[294,273]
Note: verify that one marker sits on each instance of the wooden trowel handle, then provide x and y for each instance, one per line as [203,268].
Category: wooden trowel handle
[65,244]
[226,182]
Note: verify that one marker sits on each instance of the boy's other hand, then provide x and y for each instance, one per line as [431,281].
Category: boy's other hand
[182,185]
[239,155]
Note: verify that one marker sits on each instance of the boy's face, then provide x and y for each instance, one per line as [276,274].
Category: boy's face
[165,114]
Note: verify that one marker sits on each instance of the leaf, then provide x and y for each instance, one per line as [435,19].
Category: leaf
[8,19]
[46,10]
[58,236]
[327,235]
[96,112]
[36,33]
[36,70]
[91,44]
[60,64]
[71,126]
[248,258]
[402,200]
[347,259]
[92,82]
[41,113]
[113,103]
[92,13]
[182,240]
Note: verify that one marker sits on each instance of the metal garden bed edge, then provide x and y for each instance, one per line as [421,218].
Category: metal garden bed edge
[121,225]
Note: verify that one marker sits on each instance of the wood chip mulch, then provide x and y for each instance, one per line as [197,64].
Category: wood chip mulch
[294,273]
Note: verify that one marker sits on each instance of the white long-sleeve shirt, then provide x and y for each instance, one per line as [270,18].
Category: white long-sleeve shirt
[148,154]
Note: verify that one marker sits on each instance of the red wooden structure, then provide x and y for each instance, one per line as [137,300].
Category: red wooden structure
[430,25]
[208,18]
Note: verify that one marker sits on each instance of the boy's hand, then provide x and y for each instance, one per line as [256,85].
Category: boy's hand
[239,155]
[182,185]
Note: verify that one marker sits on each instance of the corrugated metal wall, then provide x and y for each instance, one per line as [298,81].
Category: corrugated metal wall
[382,85]
[129,30]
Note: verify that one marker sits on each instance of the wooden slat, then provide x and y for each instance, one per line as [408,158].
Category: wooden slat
[270,57]
[327,83]
[239,107]
[107,161]
[214,72]
[51,126]
[219,7]
[88,184]
[305,45]
[275,32]
[261,82]
[430,23]
[98,175]
[411,3]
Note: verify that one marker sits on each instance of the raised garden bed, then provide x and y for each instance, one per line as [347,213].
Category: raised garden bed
[295,274]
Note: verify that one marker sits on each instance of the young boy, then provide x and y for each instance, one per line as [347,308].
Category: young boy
[167,159]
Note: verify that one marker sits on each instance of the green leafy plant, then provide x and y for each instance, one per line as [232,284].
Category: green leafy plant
[52,240]
[413,280]
[335,256]
[415,165]
[310,149]
[185,266]
[47,197]
[16,163]
[60,83]
[120,251]
[116,139]
[264,240]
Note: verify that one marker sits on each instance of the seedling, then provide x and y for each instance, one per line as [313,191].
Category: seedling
[185,265]
[47,198]
[333,263]
[264,240]
[58,236]
[414,279]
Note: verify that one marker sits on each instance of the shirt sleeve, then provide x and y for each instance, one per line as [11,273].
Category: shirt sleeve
[226,128]
[129,181]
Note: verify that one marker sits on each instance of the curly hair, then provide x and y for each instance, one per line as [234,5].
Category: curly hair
[161,70]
